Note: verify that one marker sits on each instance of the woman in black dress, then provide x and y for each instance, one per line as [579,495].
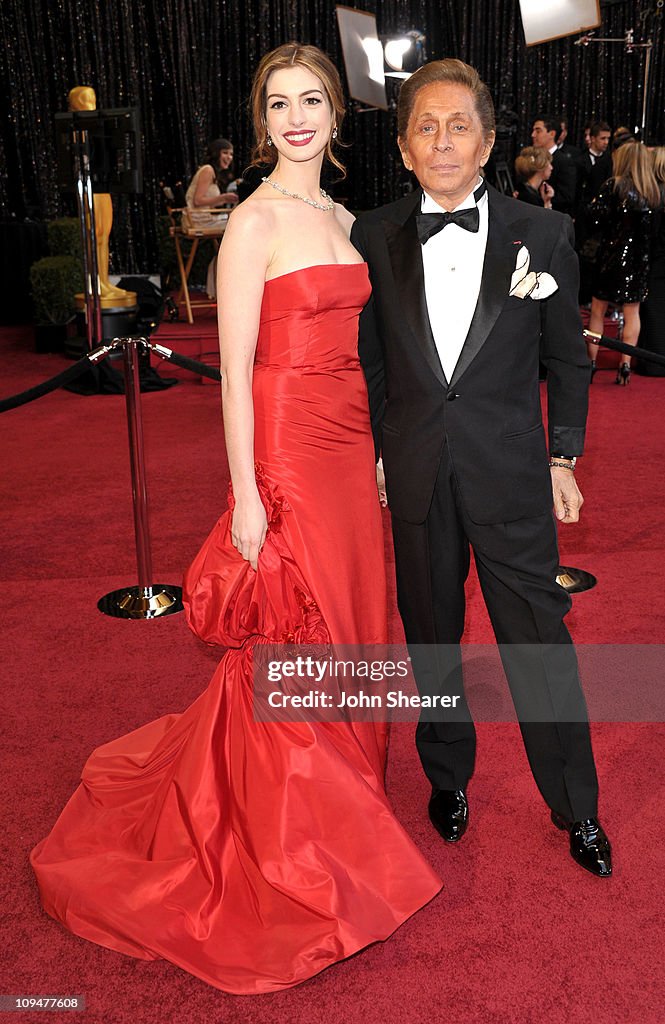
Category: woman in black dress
[622,220]
[533,168]
[652,313]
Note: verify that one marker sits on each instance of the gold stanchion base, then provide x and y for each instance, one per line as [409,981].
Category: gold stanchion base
[575,581]
[142,602]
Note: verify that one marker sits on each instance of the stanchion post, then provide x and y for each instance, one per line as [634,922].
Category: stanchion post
[137,460]
[148,600]
[86,206]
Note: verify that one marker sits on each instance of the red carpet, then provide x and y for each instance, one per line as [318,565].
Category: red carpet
[520,934]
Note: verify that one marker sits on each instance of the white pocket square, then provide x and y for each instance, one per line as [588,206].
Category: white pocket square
[526,284]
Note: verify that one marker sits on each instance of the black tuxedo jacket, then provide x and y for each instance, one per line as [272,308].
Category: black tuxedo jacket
[489,413]
[594,174]
[565,179]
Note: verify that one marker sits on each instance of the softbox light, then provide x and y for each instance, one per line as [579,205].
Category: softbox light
[363,56]
[544,20]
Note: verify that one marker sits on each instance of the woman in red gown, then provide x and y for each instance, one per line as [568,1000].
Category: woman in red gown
[254,854]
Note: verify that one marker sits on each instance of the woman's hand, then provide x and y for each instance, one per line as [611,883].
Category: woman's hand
[249,527]
[546,194]
[228,199]
[381,484]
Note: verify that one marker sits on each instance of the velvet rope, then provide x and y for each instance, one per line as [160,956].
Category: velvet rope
[621,346]
[185,362]
[52,384]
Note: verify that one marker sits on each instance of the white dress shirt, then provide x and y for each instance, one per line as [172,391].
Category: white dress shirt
[453,267]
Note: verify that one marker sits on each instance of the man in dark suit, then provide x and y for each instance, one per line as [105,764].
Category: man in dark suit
[596,163]
[562,143]
[546,132]
[595,169]
[469,288]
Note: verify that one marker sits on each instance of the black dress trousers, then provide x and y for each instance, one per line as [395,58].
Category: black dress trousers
[517,564]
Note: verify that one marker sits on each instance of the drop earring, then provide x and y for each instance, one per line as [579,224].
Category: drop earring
[334,133]
[268,139]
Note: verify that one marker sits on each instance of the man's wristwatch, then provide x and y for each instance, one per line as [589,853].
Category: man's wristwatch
[564,461]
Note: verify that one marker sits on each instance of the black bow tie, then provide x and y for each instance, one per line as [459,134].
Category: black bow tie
[429,224]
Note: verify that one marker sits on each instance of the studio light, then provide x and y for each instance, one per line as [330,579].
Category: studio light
[363,57]
[405,54]
[372,48]
[367,58]
[394,51]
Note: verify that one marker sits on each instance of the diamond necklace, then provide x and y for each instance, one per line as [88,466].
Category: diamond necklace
[326,207]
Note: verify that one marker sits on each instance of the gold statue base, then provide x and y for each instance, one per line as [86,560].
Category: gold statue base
[112,302]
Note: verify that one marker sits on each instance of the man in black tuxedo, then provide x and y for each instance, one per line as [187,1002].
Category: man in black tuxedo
[565,179]
[595,168]
[596,163]
[469,289]
[567,147]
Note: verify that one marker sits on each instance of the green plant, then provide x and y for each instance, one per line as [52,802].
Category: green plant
[64,237]
[54,281]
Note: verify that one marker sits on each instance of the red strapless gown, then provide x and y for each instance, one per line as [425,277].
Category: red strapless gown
[255,854]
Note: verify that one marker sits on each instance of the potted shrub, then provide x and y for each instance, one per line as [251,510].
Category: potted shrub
[64,237]
[54,281]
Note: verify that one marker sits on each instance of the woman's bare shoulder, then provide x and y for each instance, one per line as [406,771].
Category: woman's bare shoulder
[344,218]
[253,215]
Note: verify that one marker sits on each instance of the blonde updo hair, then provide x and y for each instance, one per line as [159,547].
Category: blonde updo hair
[658,159]
[291,55]
[531,160]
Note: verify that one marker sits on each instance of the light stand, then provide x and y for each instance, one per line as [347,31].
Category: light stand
[630,44]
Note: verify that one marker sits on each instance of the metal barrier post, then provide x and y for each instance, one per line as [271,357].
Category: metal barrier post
[148,600]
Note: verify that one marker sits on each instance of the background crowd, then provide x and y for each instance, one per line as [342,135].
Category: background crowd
[613,187]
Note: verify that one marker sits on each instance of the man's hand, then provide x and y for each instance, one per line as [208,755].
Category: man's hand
[567,496]
[381,484]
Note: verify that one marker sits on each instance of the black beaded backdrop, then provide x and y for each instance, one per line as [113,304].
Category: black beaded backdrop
[188,65]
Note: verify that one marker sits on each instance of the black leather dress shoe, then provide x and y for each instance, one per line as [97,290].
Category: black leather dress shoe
[449,813]
[589,845]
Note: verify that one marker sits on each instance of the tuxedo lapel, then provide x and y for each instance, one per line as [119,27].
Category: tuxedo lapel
[500,255]
[407,265]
